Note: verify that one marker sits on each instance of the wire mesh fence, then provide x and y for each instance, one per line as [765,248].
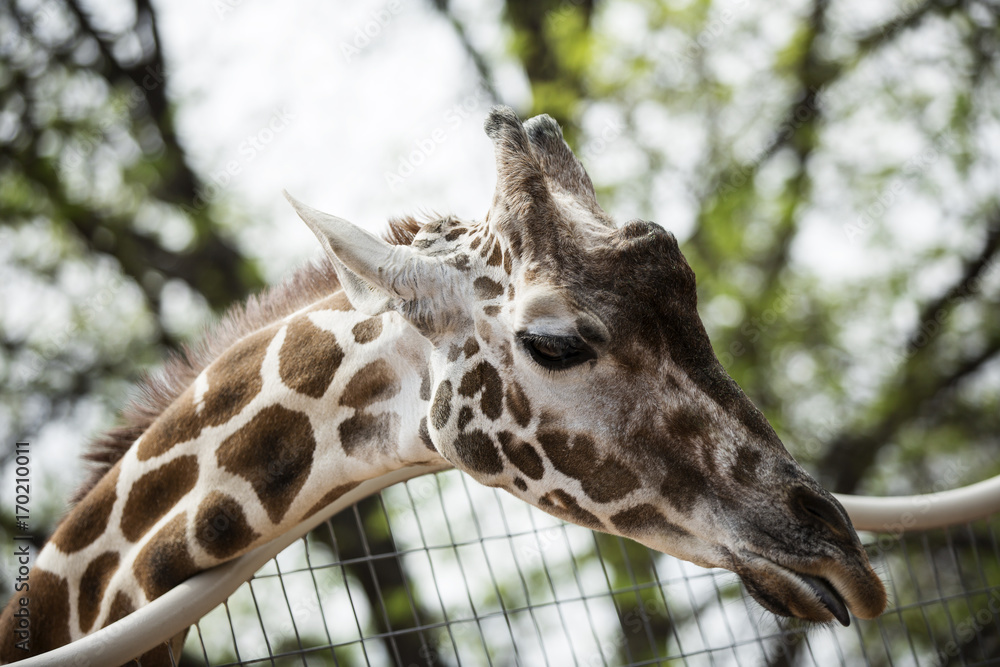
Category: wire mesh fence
[442,571]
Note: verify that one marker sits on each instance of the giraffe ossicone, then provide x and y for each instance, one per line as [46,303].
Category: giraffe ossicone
[543,350]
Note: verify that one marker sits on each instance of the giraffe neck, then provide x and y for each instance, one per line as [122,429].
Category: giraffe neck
[284,422]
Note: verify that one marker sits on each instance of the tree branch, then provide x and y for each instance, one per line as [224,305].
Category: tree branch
[483,68]
[795,131]
[815,75]
[848,457]
[147,75]
[934,312]
[212,266]
[554,85]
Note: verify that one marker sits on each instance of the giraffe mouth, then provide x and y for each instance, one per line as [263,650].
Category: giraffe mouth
[789,592]
[828,596]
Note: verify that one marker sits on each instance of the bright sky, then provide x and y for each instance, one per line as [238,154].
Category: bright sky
[325,101]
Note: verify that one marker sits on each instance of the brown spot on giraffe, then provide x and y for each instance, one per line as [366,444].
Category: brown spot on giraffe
[683,483]
[155,493]
[309,357]
[435,226]
[522,455]
[425,385]
[518,404]
[645,519]
[121,606]
[367,330]
[484,377]
[477,452]
[93,583]
[506,356]
[520,483]
[516,241]
[425,435]
[491,311]
[471,347]
[747,463]
[274,452]
[602,480]
[487,246]
[464,417]
[179,423]
[372,383]
[441,408]
[460,262]
[496,256]
[564,506]
[338,301]
[365,429]
[329,497]
[686,424]
[89,519]
[48,602]
[234,379]
[164,561]
[487,288]
[484,331]
[221,527]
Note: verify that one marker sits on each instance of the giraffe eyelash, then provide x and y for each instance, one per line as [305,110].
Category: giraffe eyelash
[556,353]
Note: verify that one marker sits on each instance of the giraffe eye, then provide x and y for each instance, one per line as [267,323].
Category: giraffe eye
[556,352]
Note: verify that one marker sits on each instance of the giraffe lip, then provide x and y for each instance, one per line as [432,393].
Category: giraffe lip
[829,596]
[816,592]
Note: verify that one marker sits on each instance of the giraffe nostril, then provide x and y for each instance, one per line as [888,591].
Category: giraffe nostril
[823,511]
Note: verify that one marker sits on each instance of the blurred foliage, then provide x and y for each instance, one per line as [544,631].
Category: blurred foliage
[831,170]
[101,216]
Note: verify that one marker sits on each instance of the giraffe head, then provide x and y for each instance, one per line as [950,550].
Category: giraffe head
[570,367]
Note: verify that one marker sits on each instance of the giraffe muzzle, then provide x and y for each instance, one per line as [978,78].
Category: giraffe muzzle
[825,593]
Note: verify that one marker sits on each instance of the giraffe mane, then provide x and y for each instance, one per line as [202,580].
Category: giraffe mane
[155,391]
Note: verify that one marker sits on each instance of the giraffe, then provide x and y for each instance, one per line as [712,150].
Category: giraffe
[542,350]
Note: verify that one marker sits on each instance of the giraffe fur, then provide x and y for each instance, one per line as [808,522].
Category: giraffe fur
[543,350]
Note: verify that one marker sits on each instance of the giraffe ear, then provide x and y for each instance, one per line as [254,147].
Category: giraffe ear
[376,276]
